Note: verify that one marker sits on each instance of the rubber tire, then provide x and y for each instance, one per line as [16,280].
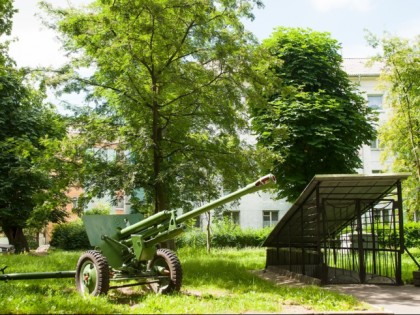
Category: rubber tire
[99,270]
[168,259]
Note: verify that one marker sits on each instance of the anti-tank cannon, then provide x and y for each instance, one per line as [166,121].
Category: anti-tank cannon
[127,248]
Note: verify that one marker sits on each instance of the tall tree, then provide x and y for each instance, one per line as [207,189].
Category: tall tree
[400,134]
[313,118]
[27,187]
[166,81]
[28,194]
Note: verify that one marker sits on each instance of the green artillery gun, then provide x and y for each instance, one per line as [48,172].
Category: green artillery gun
[127,248]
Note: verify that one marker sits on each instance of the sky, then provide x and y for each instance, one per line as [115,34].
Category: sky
[346,20]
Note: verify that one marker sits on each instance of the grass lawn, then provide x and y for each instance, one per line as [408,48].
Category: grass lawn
[213,283]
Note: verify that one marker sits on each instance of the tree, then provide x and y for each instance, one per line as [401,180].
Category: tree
[27,187]
[166,83]
[28,195]
[313,119]
[400,134]
[6,15]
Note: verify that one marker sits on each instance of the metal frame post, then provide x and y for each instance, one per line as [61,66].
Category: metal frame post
[362,271]
[398,276]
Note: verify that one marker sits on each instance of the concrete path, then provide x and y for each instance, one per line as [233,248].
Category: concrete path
[387,299]
[393,299]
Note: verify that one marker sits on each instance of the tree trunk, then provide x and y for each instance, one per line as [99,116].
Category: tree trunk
[161,199]
[157,137]
[208,238]
[16,238]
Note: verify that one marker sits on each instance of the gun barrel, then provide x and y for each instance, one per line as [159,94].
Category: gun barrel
[143,224]
[37,275]
[262,183]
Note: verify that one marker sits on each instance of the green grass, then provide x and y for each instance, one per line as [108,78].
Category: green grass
[408,265]
[219,282]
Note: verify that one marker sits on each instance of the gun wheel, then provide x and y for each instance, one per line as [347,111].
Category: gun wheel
[166,263]
[92,274]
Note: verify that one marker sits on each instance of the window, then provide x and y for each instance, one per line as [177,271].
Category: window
[120,203]
[374,144]
[375,101]
[233,216]
[270,218]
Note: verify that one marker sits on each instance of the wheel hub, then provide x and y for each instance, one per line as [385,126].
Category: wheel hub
[89,277]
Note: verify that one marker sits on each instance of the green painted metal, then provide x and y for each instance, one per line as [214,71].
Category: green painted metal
[164,236]
[144,224]
[104,232]
[98,225]
[126,240]
[37,275]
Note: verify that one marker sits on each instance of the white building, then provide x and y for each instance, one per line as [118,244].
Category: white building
[367,77]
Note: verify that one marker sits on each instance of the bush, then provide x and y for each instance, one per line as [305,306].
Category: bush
[194,238]
[70,236]
[225,234]
[412,234]
[100,208]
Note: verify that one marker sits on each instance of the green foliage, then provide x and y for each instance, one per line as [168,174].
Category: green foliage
[170,107]
[29,190]
[224,234]
[312,119]
[101,208]
[6,15]
[412,234]
[70,236]
[6,21]
[389,237]
[193,237]
[400,134]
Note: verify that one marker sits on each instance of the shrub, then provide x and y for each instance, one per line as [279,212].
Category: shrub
[193,237]
[70,236]
[225,234]
[412,234]
[100,208]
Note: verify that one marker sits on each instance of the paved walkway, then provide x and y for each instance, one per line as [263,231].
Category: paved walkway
[389,298]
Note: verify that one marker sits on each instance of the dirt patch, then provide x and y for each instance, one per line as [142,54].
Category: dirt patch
[277,278]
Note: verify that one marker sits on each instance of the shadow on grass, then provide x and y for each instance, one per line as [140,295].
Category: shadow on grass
[128,296]
[220,273]
[223,274]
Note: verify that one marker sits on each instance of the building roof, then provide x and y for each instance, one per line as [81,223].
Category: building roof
[299,226]
[361,67]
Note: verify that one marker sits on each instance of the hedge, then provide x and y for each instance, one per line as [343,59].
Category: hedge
[234,236]
[224,235]
[70,236]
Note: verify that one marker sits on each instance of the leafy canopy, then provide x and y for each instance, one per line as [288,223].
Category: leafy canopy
[26,127]
[313,118]
[400,134]
[165,82]
[29,195]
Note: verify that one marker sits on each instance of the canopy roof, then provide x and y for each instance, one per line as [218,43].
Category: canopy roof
[328,204]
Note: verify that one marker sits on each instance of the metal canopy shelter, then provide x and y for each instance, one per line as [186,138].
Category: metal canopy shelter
[343,229]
